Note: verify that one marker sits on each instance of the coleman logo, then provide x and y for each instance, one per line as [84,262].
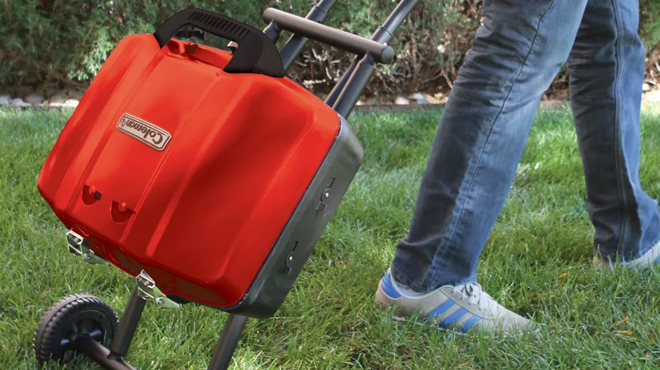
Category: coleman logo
[144,131]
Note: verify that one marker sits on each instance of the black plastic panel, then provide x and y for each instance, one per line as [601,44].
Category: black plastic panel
[306,225]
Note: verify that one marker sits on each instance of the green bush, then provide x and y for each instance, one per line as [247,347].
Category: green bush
[650,31]
[429,46]
[55,44]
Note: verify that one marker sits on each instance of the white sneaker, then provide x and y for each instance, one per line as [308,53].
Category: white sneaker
[462,307]
[648,260]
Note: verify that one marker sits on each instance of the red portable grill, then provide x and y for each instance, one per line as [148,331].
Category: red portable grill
[209,175]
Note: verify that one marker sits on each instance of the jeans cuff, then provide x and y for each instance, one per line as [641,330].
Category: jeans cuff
[401,277]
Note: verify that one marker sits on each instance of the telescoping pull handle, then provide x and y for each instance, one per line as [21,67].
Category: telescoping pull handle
[381,53]
[256,52]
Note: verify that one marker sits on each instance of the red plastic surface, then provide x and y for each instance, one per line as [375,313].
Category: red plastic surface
[201,215]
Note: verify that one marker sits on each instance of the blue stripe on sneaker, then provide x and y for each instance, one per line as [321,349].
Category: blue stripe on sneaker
[472,321]
[388,288]
[441,309]
[453,318]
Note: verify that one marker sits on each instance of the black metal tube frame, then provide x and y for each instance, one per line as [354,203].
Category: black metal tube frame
[99,354]
[128,324]
[383,34]
[347,91]
[296,43]
[227,343]
[113,358]
[342,99]
[328,35]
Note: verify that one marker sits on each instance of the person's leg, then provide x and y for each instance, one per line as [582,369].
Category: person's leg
[607,72]
[513,60]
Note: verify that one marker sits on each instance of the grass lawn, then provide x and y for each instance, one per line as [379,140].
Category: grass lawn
[537,262]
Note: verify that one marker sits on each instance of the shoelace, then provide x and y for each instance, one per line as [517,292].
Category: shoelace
[477,297]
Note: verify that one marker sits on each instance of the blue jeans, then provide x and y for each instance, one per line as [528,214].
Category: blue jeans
[514,58]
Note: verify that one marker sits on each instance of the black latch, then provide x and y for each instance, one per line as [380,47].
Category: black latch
[324,197]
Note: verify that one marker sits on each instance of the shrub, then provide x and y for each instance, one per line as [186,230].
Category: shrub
[650,31]
[51,43]
[55,44]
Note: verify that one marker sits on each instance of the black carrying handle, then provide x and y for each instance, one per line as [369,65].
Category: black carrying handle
[256,52]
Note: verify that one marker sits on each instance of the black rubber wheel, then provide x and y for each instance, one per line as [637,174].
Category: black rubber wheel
[70,317]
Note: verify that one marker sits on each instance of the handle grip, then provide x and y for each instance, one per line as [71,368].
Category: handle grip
[256,53]
[381,53]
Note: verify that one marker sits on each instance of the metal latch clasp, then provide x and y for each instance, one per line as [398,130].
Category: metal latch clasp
[78,246]
[147,290]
